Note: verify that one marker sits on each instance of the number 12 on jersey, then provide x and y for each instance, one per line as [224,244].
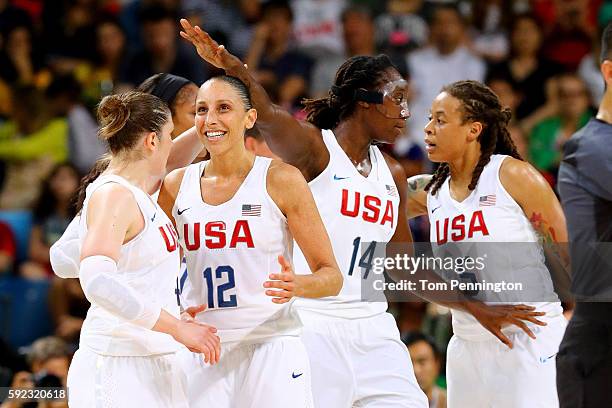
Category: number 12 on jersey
[220,282]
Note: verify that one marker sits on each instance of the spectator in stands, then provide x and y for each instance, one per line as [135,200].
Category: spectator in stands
[280,68]
[527,71]
[317,26]
[570,39]
[401,28]
[510,98]
[49,356]
[8,249]
[489,29]
[446,60]
[31,142]
[52,214]
[109,60]
[64,96]
[20,61]
[548,137]
[162,51]
[427,362]
[359,39]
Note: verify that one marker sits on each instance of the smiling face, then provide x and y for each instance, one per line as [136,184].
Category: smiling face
[387,121]
[446,134]
[221,116]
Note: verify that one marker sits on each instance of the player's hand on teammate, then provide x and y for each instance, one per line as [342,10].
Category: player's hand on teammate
[284,281]
[208,49]
[495,317]
[199,338]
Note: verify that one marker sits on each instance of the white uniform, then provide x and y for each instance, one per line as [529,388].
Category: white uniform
[120,364]
[355,351]
[481,371]
[231,249]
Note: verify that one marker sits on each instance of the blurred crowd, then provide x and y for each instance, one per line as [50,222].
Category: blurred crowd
[58,58]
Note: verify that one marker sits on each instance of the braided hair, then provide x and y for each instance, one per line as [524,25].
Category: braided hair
[479,104]
[359,72]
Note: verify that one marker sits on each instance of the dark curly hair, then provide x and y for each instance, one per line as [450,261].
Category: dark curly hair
[359,72]
[479,104]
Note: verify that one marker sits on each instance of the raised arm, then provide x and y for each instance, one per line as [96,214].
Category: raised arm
[297,143]
[290,192]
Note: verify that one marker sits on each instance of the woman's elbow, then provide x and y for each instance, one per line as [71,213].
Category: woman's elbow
[336,282]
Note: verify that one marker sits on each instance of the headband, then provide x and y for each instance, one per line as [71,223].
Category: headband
[168,86]
[359,94]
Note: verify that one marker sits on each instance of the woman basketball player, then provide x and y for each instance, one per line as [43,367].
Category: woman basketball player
[129,263]
[483,182]
[179,94]
[356,355]
[237,215]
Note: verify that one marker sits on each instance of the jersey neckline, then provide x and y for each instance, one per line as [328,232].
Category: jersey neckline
[236,193]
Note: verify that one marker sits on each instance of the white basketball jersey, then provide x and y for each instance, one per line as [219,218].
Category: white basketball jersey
[490,215]
[149,263]
[356,211]
[231,249]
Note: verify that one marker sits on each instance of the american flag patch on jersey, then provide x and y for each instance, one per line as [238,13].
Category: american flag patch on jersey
[251,210]
[391,190]
[487,200]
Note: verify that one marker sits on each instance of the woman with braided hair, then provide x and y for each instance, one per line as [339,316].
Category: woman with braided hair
[355,352]
[484,192]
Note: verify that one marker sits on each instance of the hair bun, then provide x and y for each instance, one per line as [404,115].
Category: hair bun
[113,114]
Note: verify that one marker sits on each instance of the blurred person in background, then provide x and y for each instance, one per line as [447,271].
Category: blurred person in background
[510,98]
[427,363]
[8,249]
[570,38]
[400,28]
[489,28]
[68,306]
[52,214]
[20,61]
[49,356]
[31,142]
[111,52]
[548,136]
[527,71]
[64,96]
[447,59]
[317,26]
[162,52]
[359,39]
[283,70]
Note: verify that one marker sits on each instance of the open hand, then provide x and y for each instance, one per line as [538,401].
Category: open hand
[200,338]
[495,317]
[285,281]
[208,49]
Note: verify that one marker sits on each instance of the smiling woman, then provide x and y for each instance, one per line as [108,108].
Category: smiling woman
[237,215]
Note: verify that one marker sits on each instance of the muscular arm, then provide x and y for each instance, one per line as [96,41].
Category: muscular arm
[297,143]
[307,228]
[416,195]
[541,206]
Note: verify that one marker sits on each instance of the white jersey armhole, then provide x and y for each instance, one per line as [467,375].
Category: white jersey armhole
[501,185]
[125,184]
